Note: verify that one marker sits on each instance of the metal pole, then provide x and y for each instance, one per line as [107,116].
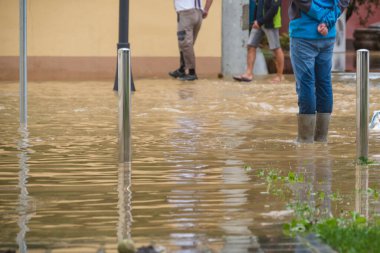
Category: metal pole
[123,35]
[124,78]
[362,102]
[23,78]
[124,23]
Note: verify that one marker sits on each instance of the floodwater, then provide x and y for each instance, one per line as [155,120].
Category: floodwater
[192,185]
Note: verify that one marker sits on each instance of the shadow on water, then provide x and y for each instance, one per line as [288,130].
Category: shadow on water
[63,190]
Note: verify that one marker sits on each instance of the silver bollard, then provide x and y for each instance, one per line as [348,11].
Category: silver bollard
[124,81]
[362,103]
[23,77]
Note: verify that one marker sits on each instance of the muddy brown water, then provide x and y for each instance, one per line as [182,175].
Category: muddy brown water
[187,188]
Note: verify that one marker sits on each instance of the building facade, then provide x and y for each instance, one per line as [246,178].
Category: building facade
[77,39]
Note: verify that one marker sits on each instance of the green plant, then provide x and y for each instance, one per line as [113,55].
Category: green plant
[273,176]
[348,232]
[353,234]
[374,193]
[365,161]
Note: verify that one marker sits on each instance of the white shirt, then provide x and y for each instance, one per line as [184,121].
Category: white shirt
[182,5]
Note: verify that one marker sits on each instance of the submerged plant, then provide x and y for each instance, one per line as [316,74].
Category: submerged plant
[348,232]
[247,168]
[365,161]
[374,193]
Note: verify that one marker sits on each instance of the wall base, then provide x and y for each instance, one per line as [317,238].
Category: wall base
[41,68]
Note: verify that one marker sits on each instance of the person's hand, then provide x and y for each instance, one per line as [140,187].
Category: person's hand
[322,29]
[256,25]
[204,14]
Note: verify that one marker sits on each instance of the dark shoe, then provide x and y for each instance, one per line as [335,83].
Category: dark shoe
[177,73]
[242,79]
[188,77]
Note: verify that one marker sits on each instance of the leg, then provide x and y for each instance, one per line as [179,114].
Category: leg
[181,62]
[197,25]
[279,59]
[251,58]
[303,53]
[190,23]
[253,42]
[323,86]
[180,72]
[273,36]
[196,28]
[186,36]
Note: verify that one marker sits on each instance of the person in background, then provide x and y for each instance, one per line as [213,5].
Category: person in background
[267,21]
[312,37]
[190,14]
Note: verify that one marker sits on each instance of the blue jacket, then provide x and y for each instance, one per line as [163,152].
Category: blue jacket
[306,15]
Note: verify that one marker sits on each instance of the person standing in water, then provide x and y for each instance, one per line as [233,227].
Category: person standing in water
[312,36]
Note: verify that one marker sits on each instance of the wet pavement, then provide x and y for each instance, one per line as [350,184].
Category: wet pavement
[188,188]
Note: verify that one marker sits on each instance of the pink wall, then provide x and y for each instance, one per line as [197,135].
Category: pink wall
[353,22]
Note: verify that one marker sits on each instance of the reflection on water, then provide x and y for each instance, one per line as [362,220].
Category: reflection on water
[23,210]
[125,201]
[191,142]
[361,191]
[315,166]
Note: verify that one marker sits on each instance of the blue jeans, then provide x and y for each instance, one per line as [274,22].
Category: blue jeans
[312,63]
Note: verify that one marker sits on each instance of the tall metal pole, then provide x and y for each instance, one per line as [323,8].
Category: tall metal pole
[23,68]
[123,35]
[362,102]
[124,76]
